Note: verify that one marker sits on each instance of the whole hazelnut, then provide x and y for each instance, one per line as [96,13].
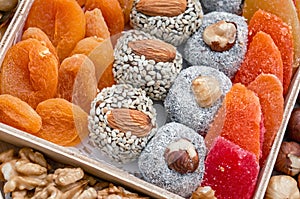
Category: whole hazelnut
[282,186]
[181,156]
[220,36]
[293,128]
[288,159]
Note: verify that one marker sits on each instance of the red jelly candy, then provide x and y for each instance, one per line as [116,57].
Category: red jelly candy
[269,91]
[262,56]
[238,120]
[230,170]
[282,37]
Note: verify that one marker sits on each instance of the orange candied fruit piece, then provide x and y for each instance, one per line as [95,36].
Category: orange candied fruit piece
[282,37]
[112,13]
[29,71]
[18,114]
[126,6]
[239,115]
[63,123]
[62,20]
[269,89]
[77,81]
[36,33]
[95,24]
[262,56]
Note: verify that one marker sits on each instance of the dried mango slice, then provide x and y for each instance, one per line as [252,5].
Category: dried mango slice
[18,114]
[36,33]
[286,10]
[62,20]
[230,170]
[77,81]
[238,120]
[112,13]
[269,91]
[30,72]
[262,56]
[282,37]
[95,24]
[63,123]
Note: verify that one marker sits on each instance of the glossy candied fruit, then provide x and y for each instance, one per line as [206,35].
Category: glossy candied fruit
[29,71]
[18,114]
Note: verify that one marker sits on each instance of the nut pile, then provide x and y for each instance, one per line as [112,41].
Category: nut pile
[28,175]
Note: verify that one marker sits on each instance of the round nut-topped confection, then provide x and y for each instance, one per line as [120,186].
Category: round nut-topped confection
[173,21]
[220,42]
[121,121]
[195,97]
[146,62]
[174,157]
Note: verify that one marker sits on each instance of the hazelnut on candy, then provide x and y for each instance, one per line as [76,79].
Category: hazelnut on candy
[220,36]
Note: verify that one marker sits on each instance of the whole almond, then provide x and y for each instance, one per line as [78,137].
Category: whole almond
[137,122]
[156,50]
[168,8]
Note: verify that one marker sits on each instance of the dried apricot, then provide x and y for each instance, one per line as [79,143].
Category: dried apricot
[285,10]
[238,120]
[81,2]
[282,37]
[77,81]
[269,89]
[262,56]
[36,33]
[95,24]
[112,13]
[126,6]
[63,123]
[18,114]
[62,20]
[29,71]
[102,54]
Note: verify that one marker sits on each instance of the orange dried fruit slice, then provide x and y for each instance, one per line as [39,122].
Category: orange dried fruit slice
[126,6]
[81,2]
[63,123]
[95,24]
[36,33]
[269,91]
[29,71]
[282,37]
[18,114]
[286,10]
[112,13]
[62,20]
[77,81]
[102,55]
[262,56]
[238,120]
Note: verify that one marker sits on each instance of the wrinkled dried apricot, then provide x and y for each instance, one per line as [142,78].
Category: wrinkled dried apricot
[62,20]
[36,33]
[95,24]
[77,81]
[282,37]
[63,123]
[102,54]
[126,6]
[262,56]
[269,89]
[112,13]
[18,114]
[29,71]
[81,2]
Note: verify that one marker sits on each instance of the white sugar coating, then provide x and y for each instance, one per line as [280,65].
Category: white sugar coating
[122,147]
[154,77]
[181,105]
[154,168]
[174,30]
[197,52]
[231,6]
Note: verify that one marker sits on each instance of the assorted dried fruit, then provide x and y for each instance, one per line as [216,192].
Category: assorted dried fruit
[28,175]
